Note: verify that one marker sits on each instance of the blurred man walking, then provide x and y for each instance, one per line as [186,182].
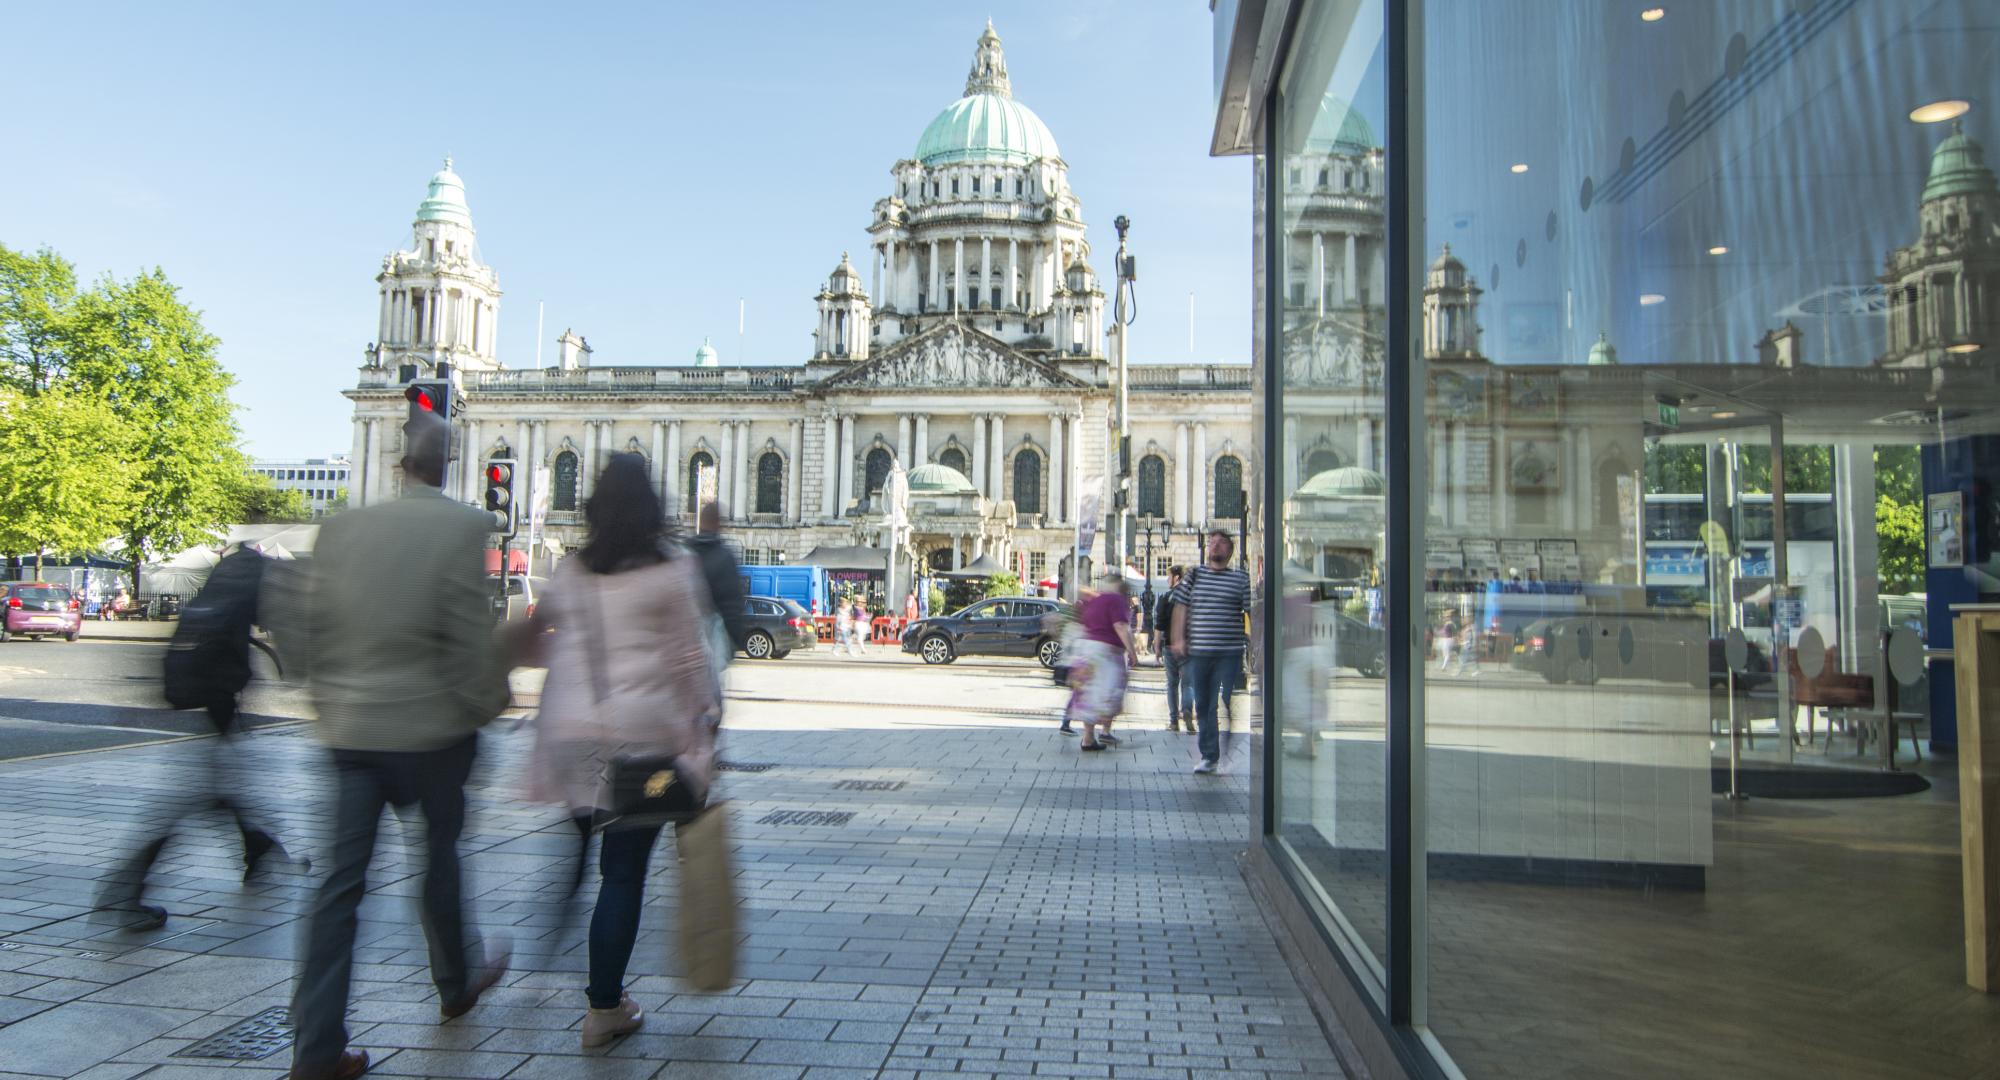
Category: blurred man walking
[1209,608]
[404,673]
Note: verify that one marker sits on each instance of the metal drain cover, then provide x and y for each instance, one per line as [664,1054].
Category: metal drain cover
[870,785]
[249,1039]
[807,817]
[745,766]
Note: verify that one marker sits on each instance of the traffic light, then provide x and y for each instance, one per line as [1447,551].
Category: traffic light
[432,396]
[500,495]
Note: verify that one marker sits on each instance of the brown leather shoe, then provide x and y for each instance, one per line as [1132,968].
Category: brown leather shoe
[352,1063]
[494,970]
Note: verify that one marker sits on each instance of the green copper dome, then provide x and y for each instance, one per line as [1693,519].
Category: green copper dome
[934,479]
[1602,354]
[446,201]
[705,356]
[986,128]
[1339,129]
[1958,167]
[1347,481]
[987,125]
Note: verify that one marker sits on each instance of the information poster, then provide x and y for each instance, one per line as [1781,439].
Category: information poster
[1560,561]
[1944,527]
[1481,556]
[1520,556]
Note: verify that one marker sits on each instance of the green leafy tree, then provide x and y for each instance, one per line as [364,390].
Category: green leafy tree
[1808,469]
[66,473]
[1676,468]
[1899,539]
[144,352]
[259,501]
[35,294]
[339,502]
[1004,583]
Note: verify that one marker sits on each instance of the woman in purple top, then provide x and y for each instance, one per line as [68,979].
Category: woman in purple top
[1103,656]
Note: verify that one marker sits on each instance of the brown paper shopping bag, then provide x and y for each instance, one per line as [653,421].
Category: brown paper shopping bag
[708,899]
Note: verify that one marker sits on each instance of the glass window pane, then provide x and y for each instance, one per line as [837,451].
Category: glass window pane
[1327,485]
[1708,328]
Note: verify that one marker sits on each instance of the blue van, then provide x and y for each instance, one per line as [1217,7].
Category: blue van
[805,586]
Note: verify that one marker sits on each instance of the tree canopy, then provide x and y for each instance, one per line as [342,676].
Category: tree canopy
[66,472]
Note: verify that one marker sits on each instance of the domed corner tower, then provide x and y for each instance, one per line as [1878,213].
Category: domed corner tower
[981,225]
[439,302]
[845,316]
[1942,288]
[1334,190]
[1451,310]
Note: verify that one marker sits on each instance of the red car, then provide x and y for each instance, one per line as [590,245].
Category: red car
[37,609]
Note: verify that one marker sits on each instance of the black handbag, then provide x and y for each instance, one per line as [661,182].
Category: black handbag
[638,789]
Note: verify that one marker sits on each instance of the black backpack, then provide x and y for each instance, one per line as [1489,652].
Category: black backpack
[208,659]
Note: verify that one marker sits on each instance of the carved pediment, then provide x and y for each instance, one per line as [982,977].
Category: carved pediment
[1332,354]
[952,357]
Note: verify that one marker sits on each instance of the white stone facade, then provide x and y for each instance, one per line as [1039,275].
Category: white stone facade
[977,341]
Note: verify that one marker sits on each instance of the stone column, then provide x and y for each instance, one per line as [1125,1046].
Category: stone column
[1854,528]
[1056,485]
[1073,492]
[1008,295]
[382,316]
[472,463]
[846,463]
[1347,273]
[362,491]
[1181,474]
[998,471]
[536,435]
[875,276]
[985,270]
[1199,491]
[979,461]
[937,276]
[891,296]
[357,456]
[1319,272]
[723,445]
[661,470]
[744,499]
[829,488]
[1364,449]
[904,424]
[923,449]
[793,510]
[958,274]
[675,499]
[586,468]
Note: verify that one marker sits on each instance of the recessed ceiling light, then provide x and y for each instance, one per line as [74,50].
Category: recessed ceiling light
[1653,14]
[1963,347]
[1940,111]
[1725,414]
[1518,167]
[1718,250]
[1651,298]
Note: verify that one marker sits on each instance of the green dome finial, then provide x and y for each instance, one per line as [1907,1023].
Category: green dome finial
[1602,354]
[705,356]
[1958,167]
[987,124]
[446,199]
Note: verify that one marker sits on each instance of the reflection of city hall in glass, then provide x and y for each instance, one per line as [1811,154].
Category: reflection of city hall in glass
[1646,826]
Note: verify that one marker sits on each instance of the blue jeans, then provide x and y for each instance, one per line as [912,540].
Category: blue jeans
[365,781]
[1209,676]
[1177,686]
[622,858]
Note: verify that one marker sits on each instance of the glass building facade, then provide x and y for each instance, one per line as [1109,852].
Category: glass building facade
[1628,385]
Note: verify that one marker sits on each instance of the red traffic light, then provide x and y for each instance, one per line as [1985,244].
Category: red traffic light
[498,474]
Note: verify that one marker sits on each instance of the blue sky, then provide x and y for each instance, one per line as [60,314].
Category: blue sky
[635,167]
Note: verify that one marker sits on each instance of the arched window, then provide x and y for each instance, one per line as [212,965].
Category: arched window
[1228,487]
[1320,461]
[701,481]
[563,497]
[953,458]
[770,483]
[1028,482]
[877,471]
[1152,486]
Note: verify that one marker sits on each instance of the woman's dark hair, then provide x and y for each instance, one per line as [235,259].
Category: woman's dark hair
[628,526]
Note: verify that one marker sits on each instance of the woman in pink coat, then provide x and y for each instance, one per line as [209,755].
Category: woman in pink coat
[620,627]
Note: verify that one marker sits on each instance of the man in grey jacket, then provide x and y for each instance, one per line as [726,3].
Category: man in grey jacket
[404,673]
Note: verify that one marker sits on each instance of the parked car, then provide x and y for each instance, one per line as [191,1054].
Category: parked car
[776,627]
[1002,626]
[1583,649]
[37,609]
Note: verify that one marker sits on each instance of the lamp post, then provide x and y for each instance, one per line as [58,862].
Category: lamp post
[1166,531]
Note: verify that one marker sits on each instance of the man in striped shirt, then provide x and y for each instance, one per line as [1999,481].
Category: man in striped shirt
[1209,605]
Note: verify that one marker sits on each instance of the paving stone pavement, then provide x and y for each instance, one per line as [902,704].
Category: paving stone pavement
[998,905]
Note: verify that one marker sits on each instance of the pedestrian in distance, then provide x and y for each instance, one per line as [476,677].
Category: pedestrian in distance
[628,676]
[1210,606]
[729,626]
[843,629]
[861,626]
[1104,653]
[405,671]
[1447,642]
[1163,635]
[207,667]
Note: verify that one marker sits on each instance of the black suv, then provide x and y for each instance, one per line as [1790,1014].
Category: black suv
[1003,626]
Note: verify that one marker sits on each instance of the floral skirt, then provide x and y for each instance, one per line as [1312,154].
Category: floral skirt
[1097,681]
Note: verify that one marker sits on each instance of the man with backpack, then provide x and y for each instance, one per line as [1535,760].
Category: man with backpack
[207,666]
[1163,639]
